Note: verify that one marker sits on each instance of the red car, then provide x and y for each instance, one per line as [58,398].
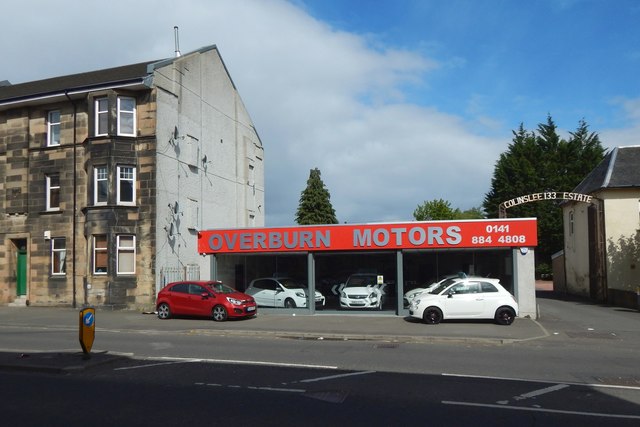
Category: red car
[204,298]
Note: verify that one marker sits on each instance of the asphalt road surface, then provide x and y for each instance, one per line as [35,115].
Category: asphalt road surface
[133,392]
[585,370]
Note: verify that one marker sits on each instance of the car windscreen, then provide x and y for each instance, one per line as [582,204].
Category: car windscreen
[291,284]
[358,281]
[442,286]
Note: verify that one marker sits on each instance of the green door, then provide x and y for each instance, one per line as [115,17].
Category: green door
[21,273]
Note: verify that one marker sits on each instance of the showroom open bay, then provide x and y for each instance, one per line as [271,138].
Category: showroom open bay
[388,259]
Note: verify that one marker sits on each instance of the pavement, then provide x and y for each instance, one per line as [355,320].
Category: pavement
[564,314]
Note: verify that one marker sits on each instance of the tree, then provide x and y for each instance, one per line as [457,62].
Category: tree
[543,162]
[440,209]
[473,213]
[434,210]
[315,203]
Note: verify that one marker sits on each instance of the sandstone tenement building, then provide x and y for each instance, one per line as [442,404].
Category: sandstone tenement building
[106,178]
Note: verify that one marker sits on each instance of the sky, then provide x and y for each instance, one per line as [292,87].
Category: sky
[397,102]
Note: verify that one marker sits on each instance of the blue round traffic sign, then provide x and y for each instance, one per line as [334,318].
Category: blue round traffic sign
[88,319]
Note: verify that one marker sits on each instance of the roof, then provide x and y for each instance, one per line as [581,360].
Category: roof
[78,83]
[74,82]
[619,169]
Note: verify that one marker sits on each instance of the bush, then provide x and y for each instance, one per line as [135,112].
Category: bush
[544,272]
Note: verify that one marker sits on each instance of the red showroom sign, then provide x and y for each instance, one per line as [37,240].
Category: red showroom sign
[486,233]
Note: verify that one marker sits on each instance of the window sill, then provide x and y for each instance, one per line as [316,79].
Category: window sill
[100,207]
[59,211]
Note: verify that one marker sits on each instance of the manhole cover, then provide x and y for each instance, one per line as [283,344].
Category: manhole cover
[387,345]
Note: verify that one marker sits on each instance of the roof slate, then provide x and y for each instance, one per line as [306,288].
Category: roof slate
[619,169]
[75,81]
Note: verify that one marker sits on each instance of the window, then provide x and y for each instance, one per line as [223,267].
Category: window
[124,112]
[100,254]
[182,288]
[126,248]
[197,289]
[102,116]
[126,185]
[53,129]
[488,287]
[465,288]
[100,185]
[53,192]
[58,256]
[126,116]
[571,221]
[265,284]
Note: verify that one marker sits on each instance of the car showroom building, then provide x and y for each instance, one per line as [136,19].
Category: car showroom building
[402,256]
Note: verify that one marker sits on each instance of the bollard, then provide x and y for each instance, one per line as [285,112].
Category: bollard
[87,330]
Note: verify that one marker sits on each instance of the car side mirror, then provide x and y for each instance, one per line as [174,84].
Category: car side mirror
[278,290]
[450,294]
[205,295]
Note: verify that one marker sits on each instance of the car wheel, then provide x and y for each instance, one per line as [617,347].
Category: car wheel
[164,312]
[289,303]
[219,313]
[432,315]
[505,316]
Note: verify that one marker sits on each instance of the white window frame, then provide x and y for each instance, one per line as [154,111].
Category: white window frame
[126,247]
[60,254]
[51,188]
[99,113]
[131,114]
[100,249]
[132,179]
[100,174]
[53,128]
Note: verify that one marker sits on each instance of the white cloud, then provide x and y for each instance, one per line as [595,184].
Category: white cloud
[327,99]
[629,134]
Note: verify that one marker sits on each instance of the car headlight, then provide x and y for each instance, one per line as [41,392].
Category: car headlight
[415,302]
[343,295]
[300,294]
[373,295]
[234,301]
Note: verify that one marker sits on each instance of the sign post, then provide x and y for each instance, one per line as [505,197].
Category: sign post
[87,330]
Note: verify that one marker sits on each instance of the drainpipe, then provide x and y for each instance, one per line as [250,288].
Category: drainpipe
[75,193]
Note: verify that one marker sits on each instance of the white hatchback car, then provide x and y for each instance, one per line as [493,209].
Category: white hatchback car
[281,292]
[466,298]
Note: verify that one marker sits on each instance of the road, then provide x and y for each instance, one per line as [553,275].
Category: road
[584,370]
[188,392]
